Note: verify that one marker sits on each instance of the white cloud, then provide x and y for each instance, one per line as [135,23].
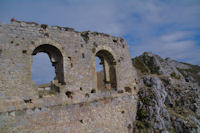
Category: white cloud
[166,27]
[175,36]
[177,45]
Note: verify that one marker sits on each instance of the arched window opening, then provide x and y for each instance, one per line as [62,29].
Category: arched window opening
[56,60]
[42,70]
[99,73]
[106,76]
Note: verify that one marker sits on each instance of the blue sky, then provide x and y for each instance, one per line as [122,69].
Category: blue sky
[42,69]
[169,28]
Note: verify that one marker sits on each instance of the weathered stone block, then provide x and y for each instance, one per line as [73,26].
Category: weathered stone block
[72,102]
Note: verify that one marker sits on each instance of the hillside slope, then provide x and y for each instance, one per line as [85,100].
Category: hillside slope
[168,96]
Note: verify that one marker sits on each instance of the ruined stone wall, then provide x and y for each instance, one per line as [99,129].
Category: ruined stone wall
[78,105]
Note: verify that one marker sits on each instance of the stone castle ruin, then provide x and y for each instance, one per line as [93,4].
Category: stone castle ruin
[78,99]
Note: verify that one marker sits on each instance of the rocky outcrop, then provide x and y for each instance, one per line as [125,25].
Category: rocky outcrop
[168,96]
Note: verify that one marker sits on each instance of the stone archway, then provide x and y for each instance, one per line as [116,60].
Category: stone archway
[106,79]
[56,58]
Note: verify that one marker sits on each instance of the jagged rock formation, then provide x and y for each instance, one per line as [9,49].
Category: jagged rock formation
[168,97]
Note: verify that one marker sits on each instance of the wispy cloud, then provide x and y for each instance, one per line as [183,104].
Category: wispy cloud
[168,28]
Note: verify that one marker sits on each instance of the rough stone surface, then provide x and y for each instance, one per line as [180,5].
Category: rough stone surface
[72,102]
[168,97]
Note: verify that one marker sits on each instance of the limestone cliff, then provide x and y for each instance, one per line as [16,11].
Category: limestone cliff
[168,96]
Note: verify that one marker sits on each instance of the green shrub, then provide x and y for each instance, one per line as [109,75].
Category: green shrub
[138,64]
[142,114]
[85,36]
[173,75]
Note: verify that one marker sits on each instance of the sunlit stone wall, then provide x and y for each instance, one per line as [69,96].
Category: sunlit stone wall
[72,101]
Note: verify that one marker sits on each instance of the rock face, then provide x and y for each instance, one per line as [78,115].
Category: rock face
[168,96]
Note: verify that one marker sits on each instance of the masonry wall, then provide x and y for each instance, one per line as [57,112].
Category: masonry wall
[77,106]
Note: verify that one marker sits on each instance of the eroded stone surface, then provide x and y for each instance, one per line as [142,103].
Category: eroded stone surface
[72,102]
[169,95]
